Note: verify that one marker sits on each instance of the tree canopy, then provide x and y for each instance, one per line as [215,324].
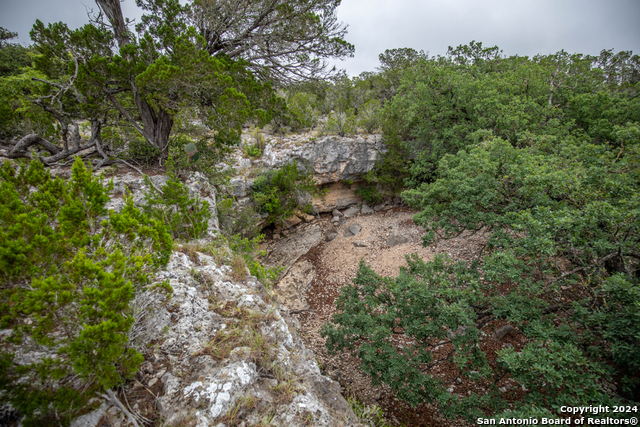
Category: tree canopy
[12,55]
[541,157]
[211,60]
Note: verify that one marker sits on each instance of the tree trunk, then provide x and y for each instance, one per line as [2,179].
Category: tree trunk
[156,125]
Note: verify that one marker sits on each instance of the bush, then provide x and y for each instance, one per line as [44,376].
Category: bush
[141,151]
[234,219]
[303,112]
[209,159]
[279,192]
[253,151]
[69,271]
[560,265]
[389,173]
[369,193]
[369,116]
[185,217]
[342,123]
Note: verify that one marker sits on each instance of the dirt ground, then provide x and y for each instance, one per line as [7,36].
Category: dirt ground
[336,263]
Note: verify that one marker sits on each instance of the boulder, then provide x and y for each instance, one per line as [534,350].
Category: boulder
[351,212]
[293,221]
[366,210]
[292,288]
[331,234]
[353,230]
[397,239]
[502,332]
[286,252]
[307,217]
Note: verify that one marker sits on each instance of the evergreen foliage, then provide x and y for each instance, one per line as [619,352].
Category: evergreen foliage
[13,56]
[342,123]
[68,274]
[280,192]
[541,156]
[302,108]
[185,217]
[443,102]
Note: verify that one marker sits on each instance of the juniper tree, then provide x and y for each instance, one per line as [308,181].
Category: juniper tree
[69,270]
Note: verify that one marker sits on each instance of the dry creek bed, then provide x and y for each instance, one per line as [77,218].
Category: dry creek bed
[317,276]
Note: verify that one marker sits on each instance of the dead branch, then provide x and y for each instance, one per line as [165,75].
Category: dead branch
[300,311]
[141,173]
[111,397]
[576,270]
[23,145]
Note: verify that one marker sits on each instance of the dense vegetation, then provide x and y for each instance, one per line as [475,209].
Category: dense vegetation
[174,91]
[281,192]
[69,271]
[542,157]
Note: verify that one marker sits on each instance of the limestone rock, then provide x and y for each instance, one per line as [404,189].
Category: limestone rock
[366,210]
[397,239]
[502,332]
[200,387]
[353,230]
[353,211]
[329,159]
[338,196]
[294,285]
[360,245]
[287,251]
[91,419]
[240,186]
[378,208]
[337,213]
[331,234]
[292,221]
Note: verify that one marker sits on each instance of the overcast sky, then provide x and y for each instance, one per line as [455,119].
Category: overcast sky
[522,27]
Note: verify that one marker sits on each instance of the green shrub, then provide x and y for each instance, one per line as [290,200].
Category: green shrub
[141,151]
[369,193]
[210,156]
[234,219]
[280,192]
[303,112]
[253,151]
[69,271]
[185,217]
[342,123]
[369,116]
[560,264]
[390,171]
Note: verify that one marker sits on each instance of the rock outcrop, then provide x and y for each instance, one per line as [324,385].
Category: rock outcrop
[331,160]
[231,355]
[220,351]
